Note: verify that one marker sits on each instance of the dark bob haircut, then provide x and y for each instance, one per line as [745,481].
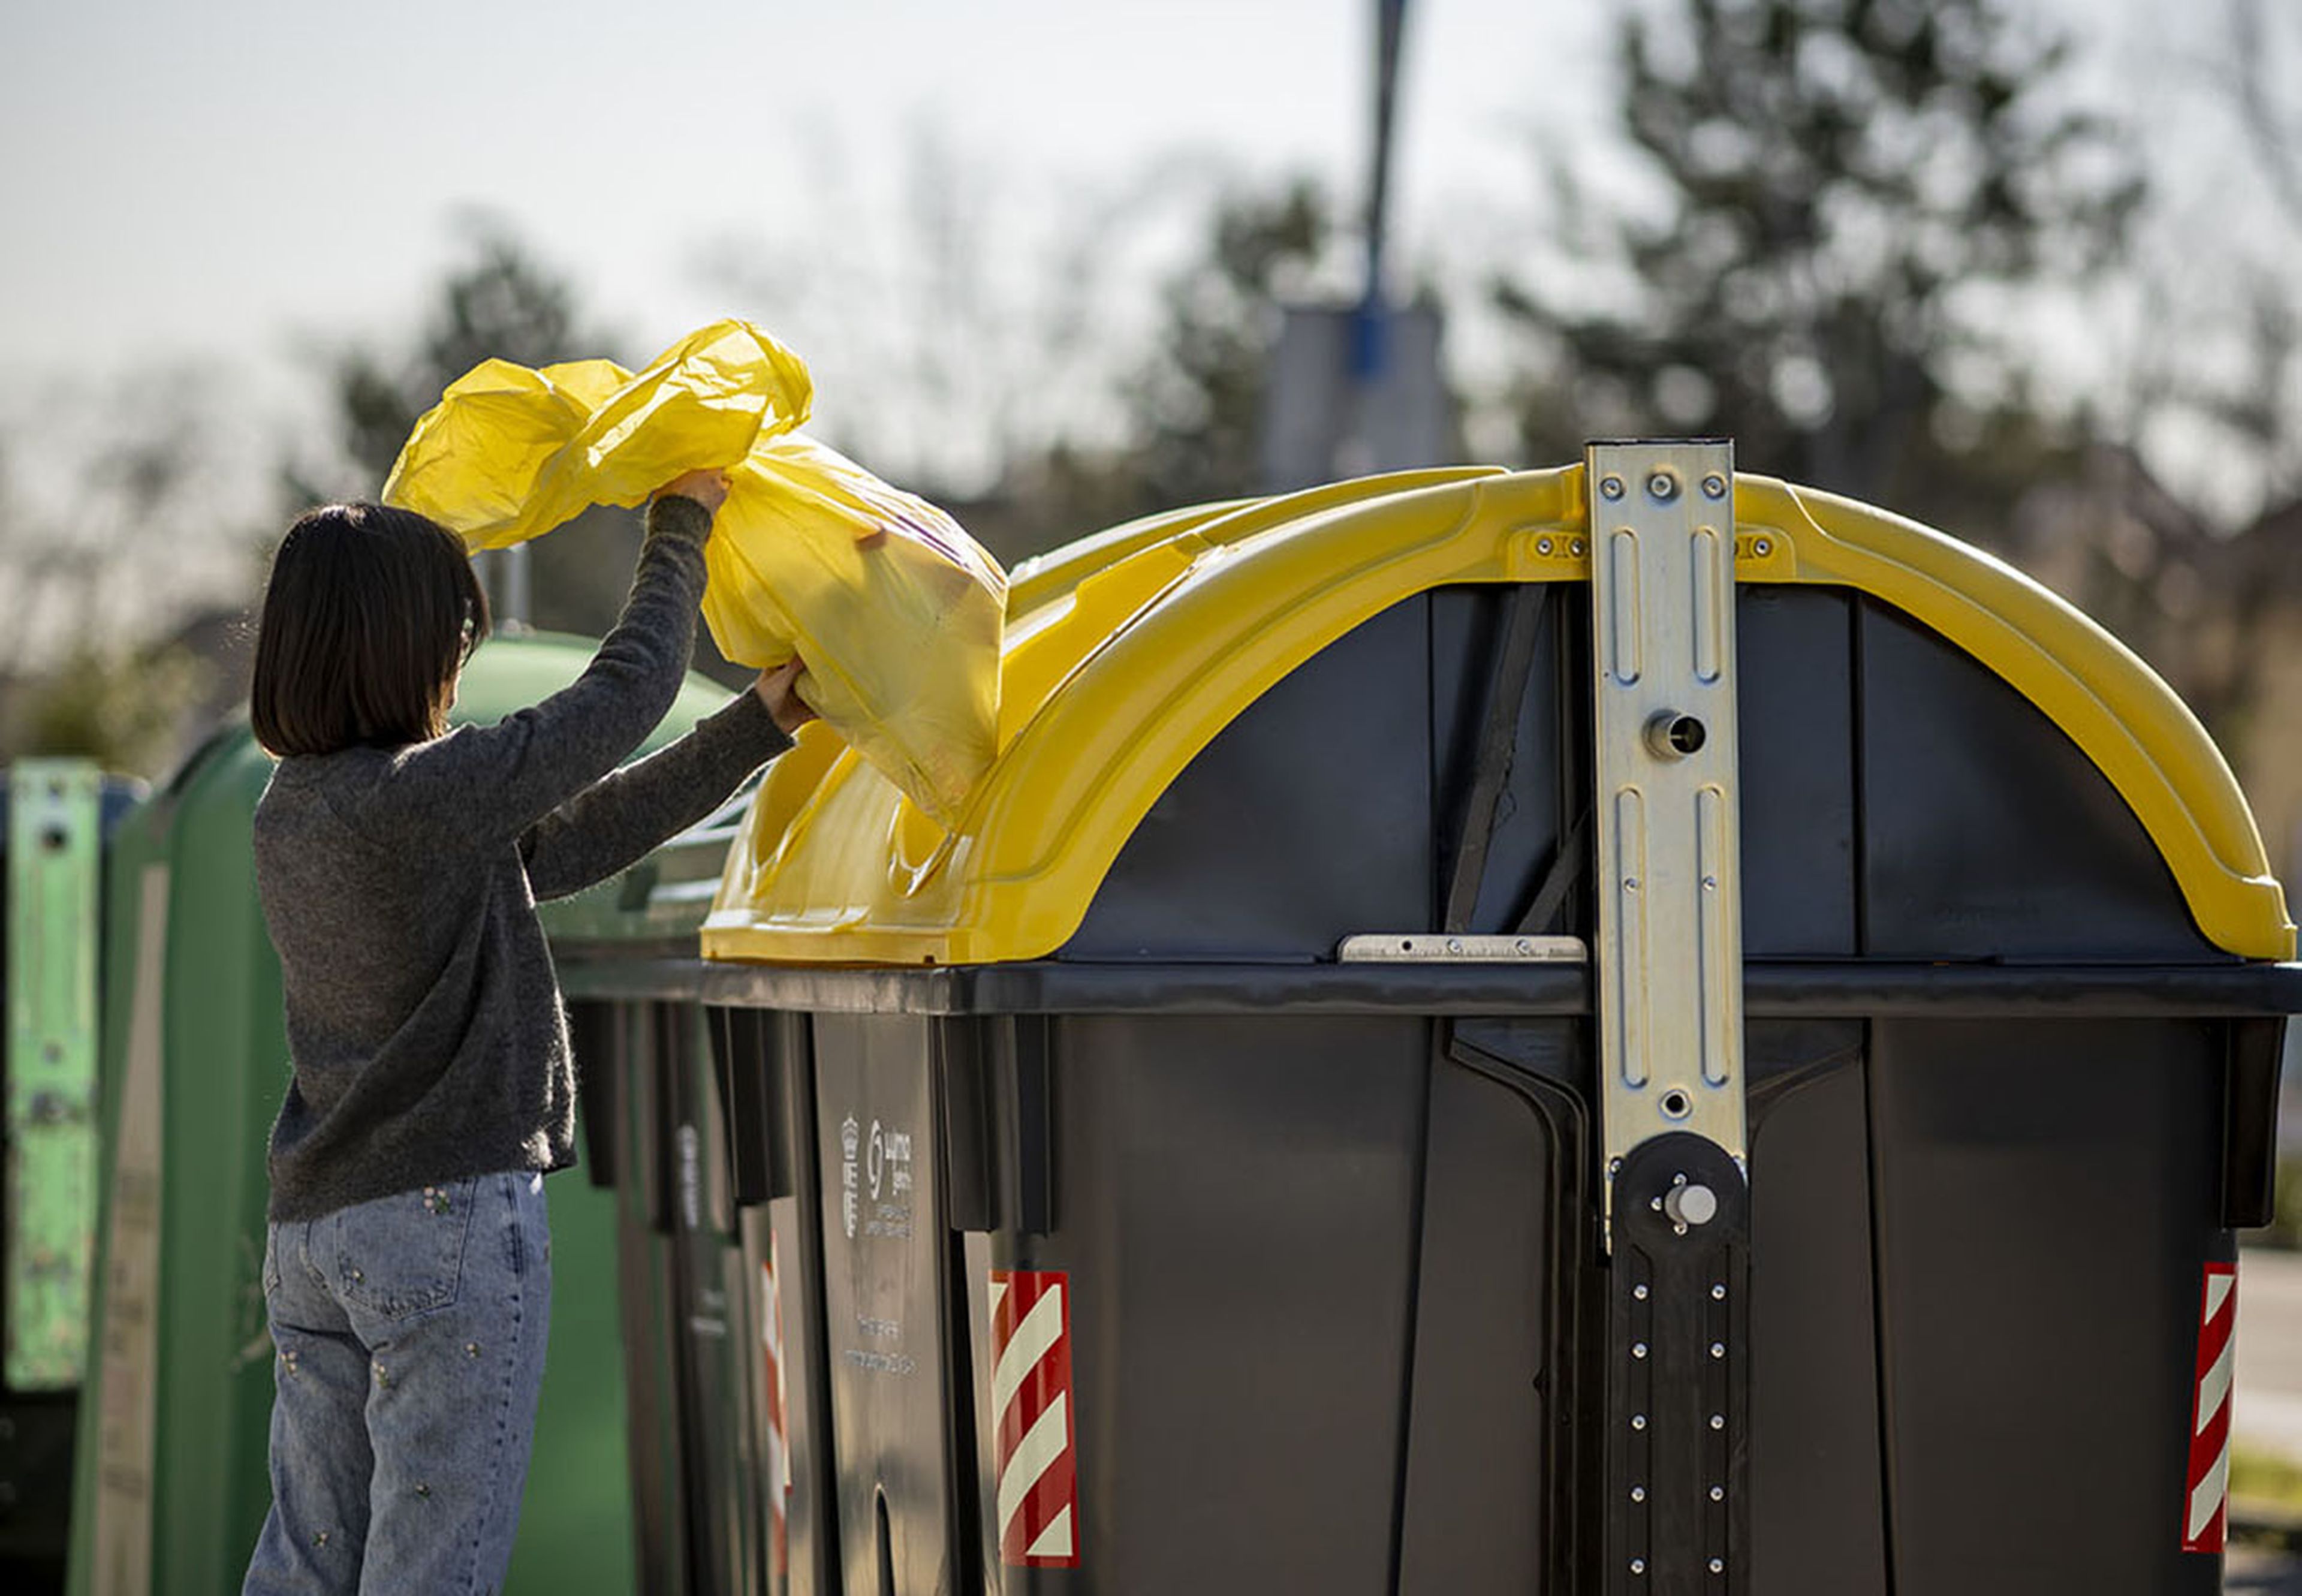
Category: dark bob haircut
[369,614]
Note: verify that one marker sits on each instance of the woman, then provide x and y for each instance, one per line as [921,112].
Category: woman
[407,1270]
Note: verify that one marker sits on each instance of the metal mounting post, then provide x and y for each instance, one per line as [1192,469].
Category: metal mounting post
[1669,962]
[1670,932]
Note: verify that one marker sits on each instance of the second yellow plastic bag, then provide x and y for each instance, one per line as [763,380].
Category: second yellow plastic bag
[897,611]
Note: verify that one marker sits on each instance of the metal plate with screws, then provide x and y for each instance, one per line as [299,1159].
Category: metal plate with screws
[1668,954]
[1433,947]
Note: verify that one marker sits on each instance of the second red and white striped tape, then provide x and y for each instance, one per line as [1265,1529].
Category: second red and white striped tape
[1037,1471]
[2205,1507]
[778,1457]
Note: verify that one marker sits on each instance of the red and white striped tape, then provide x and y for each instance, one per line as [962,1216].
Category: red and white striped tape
[1037,1475]
[2205,1507]
[778,1457]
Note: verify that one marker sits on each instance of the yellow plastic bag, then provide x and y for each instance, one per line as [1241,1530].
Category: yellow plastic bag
[897,611]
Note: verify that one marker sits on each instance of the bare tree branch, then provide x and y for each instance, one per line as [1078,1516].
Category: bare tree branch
[2253,60]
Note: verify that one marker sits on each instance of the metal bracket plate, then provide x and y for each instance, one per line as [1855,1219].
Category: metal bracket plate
[1425,947]
[1670,955]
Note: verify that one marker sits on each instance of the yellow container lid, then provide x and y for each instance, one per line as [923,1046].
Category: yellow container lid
[1128,651]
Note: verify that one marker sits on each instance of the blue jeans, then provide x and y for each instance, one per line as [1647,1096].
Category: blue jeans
[409,1337]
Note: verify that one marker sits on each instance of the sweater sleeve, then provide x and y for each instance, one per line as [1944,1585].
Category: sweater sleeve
[491,784]
[618,820]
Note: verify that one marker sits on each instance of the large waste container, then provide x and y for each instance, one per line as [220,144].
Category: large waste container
[691,1262]
[171,1486]
[56,816]
[1621,1029]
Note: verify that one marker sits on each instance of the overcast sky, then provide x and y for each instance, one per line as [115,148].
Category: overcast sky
[198,177]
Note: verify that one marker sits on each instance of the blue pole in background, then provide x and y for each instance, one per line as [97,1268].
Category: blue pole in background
[1368,354]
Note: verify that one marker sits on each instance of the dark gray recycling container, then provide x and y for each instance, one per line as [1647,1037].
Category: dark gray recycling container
[1340,1310]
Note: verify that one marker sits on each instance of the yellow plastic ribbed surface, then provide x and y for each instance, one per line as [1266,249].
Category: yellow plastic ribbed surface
[1127,652]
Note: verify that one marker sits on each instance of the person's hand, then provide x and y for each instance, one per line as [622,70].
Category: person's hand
[779,689]
[707,488]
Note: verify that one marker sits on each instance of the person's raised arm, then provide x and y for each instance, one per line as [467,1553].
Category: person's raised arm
[620,820]
[503,778]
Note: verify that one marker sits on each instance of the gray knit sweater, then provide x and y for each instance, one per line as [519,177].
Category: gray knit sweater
[425,1025]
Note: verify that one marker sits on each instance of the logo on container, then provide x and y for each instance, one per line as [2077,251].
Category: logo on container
[850,1136]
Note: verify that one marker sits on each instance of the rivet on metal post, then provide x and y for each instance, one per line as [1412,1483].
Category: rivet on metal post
[1686,1206]
[1672,735]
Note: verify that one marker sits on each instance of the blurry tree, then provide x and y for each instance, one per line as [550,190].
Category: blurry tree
[97,582]
[2221,611]
[2206,583]
[124,708]
[1844,187]
[964,333]
[503,302]
[1196,402]
[1191,402]
[985,354]
[2264,407]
